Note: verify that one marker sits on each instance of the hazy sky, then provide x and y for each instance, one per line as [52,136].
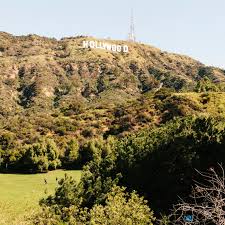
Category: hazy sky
[192,27]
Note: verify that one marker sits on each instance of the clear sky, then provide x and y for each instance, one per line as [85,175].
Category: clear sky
[192,27]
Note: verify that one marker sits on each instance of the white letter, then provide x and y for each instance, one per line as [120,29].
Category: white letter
[114,48]
[85,44]
[99,45]
[96,44]
[104,45]
[92,44]
[125,48]
[108,46]
[118,48]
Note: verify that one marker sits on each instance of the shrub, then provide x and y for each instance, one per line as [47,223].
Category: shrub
[122,208]
[42,156]
[71,154]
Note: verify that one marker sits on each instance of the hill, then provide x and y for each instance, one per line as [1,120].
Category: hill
[60,91]
[43,73]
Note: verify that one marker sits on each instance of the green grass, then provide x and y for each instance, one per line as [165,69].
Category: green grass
[20,193]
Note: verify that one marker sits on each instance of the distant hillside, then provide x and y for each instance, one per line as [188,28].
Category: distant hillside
[46,74]
[59,89]
[119,113]
[56,96]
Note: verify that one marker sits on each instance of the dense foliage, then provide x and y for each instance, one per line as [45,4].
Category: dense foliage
[120,208]
[53,89]
[21,152]
[144,120]
[160,164]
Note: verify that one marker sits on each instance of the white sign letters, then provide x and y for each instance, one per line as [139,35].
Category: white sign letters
[106,46]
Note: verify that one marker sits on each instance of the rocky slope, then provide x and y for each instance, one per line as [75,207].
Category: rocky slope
[57,88]
[48,74]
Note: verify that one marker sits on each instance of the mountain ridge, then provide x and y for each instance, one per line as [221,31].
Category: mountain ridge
[56,91]
[45,72]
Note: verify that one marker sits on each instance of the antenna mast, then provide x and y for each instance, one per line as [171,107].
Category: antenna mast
[131,35]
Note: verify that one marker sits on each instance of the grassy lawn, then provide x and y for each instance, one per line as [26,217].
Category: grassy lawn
[20,194]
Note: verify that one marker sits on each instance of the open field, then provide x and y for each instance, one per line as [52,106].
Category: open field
[20,193]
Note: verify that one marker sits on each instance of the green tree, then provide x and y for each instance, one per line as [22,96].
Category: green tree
[41,156]
[205,85]
[122,208]
[52,153]
[169,154]
[71,154]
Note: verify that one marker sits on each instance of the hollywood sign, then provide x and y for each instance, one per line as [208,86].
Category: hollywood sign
[105,46]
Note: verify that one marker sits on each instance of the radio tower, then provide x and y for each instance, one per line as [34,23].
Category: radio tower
[131,35]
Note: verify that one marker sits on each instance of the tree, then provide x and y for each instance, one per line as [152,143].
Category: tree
[122,208]
[6,140]
[41,156]
[205,85]
[71,153]
[52,153]
[207,204]
[170,153]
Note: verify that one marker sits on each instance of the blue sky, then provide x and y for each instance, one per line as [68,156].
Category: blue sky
[191,27]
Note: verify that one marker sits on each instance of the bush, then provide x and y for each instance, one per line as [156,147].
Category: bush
[41,157]
[122,208]
[71,155]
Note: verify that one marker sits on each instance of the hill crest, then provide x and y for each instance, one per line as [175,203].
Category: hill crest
[47,73]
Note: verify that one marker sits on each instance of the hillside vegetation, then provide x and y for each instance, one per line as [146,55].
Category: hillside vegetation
[47,75]
[55,96]
[143,120]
